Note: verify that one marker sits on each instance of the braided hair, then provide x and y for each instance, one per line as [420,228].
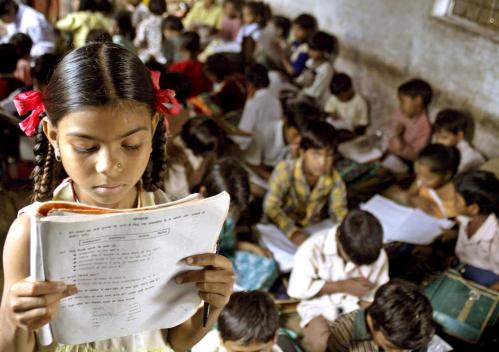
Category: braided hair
[99,74]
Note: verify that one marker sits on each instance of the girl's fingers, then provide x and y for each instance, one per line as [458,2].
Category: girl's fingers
[22,304]
[37,288]
[213,276]
[209,259]
[221,289]
[216,300]
[28,319]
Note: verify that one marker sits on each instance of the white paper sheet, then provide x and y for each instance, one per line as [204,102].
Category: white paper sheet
[362,149]
[405,224]
[124,266]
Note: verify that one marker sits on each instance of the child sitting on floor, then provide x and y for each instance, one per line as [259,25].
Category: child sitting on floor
[231,20]
[272,43]
[411,128]
[149,37]
[123,31]
[172,28]
[181,85]
[399,319]
[450,129]
[347,109]
[301,192]
[478,240]
[337,272]
[23,44]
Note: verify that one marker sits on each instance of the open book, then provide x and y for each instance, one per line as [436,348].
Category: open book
[123,262]
[363,149]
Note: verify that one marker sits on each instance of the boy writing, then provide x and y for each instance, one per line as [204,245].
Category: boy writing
[337,272]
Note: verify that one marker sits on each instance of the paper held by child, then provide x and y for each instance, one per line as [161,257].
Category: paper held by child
[363,149]
[123,263]
[405,224]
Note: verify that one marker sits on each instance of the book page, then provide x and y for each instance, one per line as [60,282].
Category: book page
[124,266]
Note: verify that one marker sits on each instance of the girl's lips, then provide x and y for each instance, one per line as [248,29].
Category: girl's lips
[108,189]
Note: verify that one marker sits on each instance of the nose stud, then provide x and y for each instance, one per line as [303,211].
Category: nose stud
[119,165]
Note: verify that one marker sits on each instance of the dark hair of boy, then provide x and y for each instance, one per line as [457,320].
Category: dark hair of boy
[249,317]
[238,4]
[300,114]
[441,159]
[157,7]
[260,10]
[4,6]
[43,67]
[229,175]
[172,23]
[306,21]
[340,83]
[480,188]
[361,237]
[322,41]
[417,88]
[190,41]
[23,44]
[124,24]
[98,35]
[8,53]
[203,136]
[219,66]
[283,24]
[178,82]
[403,314]
[319,135]
[88,5]
[258,76]
[451,120]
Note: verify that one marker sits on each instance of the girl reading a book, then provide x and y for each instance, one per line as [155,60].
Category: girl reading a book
[103,128]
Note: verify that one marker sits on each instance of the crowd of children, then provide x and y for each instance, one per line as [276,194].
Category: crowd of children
[259,111]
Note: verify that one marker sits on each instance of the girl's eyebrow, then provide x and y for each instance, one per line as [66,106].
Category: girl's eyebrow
[87,136]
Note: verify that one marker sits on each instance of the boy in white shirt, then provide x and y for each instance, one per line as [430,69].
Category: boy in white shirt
[337,272]
[449,129]
[347,109]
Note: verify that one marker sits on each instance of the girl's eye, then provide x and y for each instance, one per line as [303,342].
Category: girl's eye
[131,147]
[83,150]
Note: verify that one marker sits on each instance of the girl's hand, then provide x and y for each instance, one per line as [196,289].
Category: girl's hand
[215,282]
[32,304]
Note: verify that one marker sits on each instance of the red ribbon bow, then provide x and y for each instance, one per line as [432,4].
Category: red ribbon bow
[165,98]
[29,101]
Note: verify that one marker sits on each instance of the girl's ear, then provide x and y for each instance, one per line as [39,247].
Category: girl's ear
[50,132]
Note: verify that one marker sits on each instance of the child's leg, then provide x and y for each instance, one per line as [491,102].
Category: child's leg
[316,334]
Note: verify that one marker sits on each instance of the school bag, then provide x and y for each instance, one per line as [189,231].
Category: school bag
[463,308]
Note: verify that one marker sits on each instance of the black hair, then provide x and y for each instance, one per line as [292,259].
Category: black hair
[202,135]
[4,6]
[300,114]
[177,82]
[306,21]
[23,43]
[340,83]
[96,75]
[403,314]
[190,41]
[228,175]
[157,7]
[260,10]
[322,41]
[238,4]
[450,120]
[361,237]
[43,67]
[173,23]
[124,24]
[417,88]
[8,53]
[258,76]
[88,5]
[480,188]
[319,135]
[282,23]
[104,6]
[98,35]
[249,317]
[441,159]
[219,66]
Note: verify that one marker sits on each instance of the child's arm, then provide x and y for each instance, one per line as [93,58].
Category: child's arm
[338,199]
[215,285]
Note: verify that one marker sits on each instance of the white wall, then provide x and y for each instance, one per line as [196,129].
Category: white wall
[384,42]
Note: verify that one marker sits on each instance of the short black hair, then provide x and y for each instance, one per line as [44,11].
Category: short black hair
[249,317]
[23,43]
[88,5]
[282,23]
[203,136]
[361,237]
[450,120]
[319,135]
[124,24]
[300,114]
[4,6]
[173,23]
[322,41]
[229,175]
[417,88]
[258,76]
[440,158]
[218,65]
[260,10]
[481,188]
[177,82]
[98,35]
[8,53]
[403,314]
[340,83]
[157,7]
[306,22]
[190,42]
[44,66]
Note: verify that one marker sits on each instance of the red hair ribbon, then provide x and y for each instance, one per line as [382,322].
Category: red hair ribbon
[165,98]
[25,102]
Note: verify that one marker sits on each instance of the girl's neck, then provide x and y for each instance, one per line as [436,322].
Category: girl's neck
[476,222]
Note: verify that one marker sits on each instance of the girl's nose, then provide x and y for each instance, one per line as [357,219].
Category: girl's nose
[107,164]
